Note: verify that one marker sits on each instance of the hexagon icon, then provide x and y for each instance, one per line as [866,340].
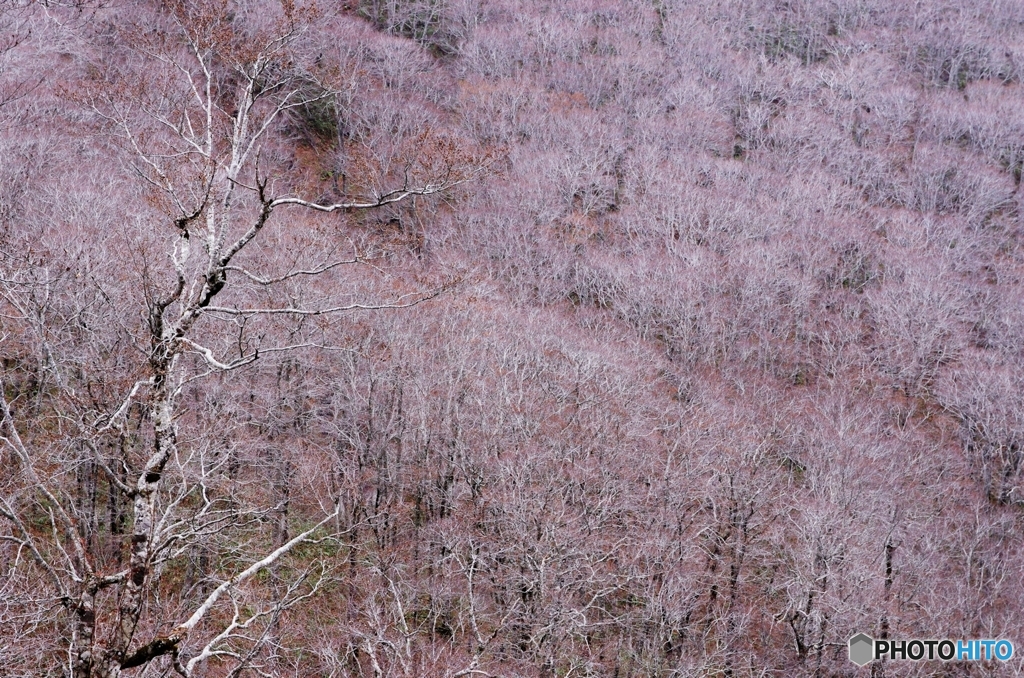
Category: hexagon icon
[861,649]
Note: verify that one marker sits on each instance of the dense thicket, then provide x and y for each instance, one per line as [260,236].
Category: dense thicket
[710,351]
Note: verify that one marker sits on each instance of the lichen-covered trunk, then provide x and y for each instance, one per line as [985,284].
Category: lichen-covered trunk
[144,508]
[107,667]
[83,635]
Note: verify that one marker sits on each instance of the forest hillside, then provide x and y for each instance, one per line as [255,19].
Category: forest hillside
[521,338]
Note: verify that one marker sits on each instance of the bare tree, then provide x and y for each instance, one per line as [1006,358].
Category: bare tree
[194,98]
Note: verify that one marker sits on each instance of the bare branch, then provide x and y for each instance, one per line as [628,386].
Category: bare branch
[293,274]
[125,404]
[15,443]
[186,626]
[209,357]
[396,304]
[379,201]
[26,539]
